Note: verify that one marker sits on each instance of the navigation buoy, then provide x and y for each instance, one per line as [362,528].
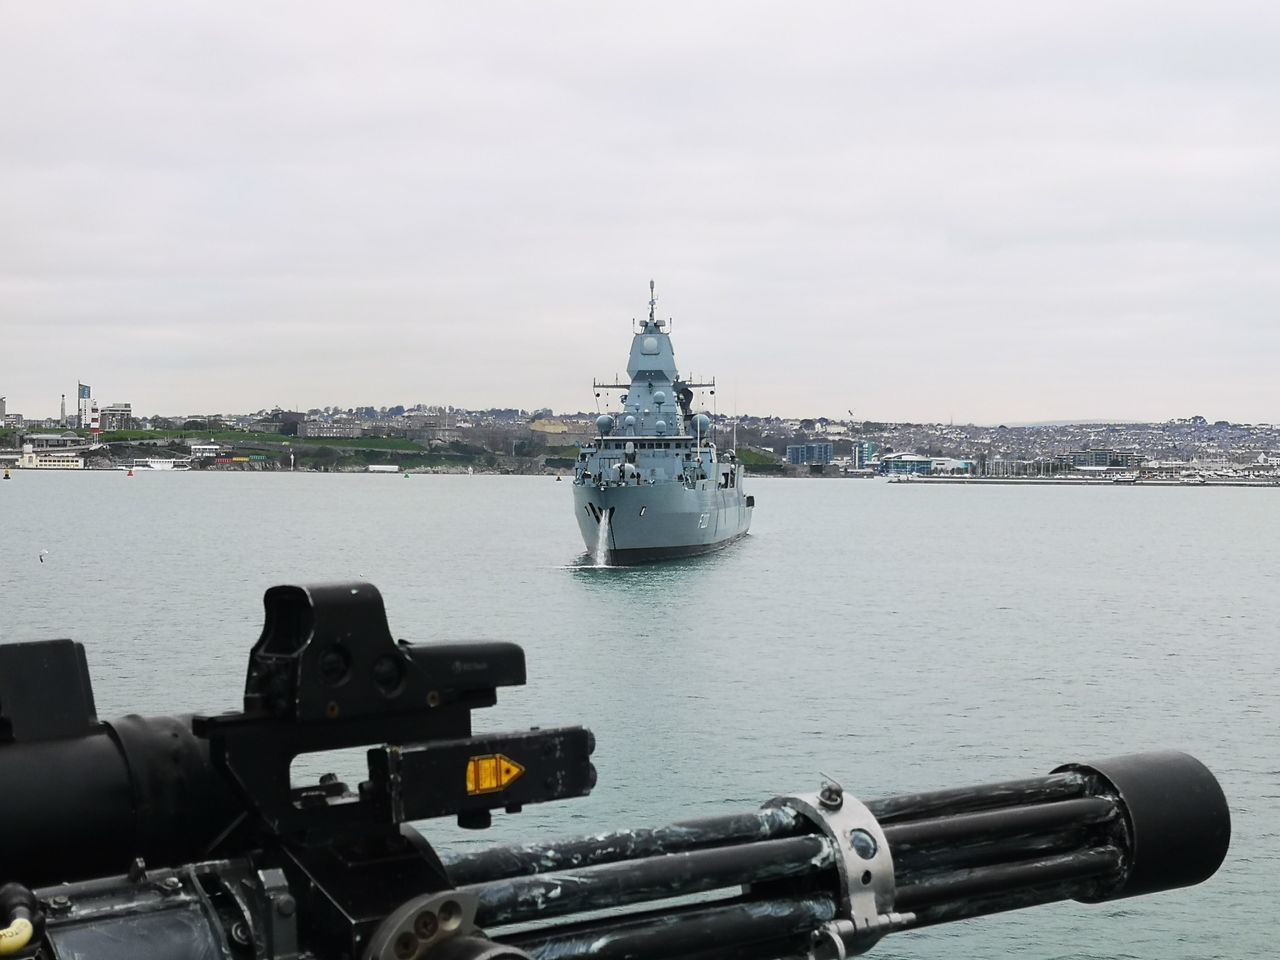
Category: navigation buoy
[6,473]
[43,554]
[129,474]
[406,474]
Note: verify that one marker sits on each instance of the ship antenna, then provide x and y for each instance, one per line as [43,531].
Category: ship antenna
[653,301]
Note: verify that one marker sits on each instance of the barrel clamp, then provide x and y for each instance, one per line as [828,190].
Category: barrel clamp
[864,865]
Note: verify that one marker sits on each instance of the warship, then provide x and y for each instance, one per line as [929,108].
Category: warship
[652,485]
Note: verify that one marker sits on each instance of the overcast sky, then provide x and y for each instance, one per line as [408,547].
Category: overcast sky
[975,211]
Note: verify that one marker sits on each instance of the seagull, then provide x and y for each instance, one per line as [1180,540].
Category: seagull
[43,554]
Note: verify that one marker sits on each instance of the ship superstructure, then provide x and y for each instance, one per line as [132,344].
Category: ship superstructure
[653,485]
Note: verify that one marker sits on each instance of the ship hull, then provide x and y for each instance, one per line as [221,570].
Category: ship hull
[661,521]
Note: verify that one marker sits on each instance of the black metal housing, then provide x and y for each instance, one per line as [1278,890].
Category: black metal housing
[1165,794]
[84,798]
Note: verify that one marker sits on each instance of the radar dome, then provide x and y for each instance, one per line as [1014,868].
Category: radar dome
[659,398]
[700,424]
[660,427]
[630,421]
[604,423]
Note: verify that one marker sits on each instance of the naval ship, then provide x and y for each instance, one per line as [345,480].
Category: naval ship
[652,486]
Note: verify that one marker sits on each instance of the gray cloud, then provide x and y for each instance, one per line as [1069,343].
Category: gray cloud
[987,211]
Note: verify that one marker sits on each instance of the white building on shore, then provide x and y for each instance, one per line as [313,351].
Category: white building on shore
[49,459]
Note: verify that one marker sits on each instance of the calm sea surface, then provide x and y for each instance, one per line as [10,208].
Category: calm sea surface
[896,637]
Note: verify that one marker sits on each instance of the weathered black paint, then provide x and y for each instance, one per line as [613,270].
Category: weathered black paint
[1011,879]
[970,828]
[677,933]
[520,899]
[914,806]
[531,858]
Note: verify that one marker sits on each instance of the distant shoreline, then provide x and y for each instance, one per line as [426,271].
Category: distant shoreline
[1082,482]
[900,479]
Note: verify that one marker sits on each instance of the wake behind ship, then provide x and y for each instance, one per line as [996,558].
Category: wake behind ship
[653,486]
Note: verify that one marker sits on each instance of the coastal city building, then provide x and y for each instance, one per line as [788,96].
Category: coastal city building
[49,459]
[903,463]
[1105,458]
[84,403]
[117,416]
[863,453]
[279,421]
[336,429]
[53,441]
[810,453]
[439,425]
[562,431]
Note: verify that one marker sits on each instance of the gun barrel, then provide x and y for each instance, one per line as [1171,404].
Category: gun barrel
[739,929]
[1091,832]
[770,823]
[526,859]
[611,885]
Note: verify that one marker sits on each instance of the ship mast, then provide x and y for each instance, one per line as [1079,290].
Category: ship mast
[653,301]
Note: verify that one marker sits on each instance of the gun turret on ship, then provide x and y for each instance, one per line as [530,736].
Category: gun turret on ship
[653,486]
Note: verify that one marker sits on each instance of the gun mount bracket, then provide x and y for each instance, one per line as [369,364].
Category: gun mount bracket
[864,864]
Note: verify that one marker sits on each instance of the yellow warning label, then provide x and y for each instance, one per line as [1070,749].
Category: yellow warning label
[491,774]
